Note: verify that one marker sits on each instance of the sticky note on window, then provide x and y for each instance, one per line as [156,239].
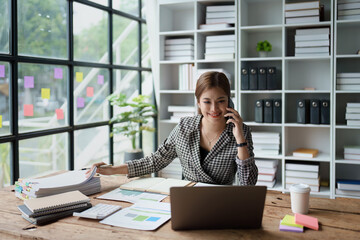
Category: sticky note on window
[59,114]
[45,93]
[28,81]
[58,73]
[79,76]
[2,71]
[90,91]
[28,110]
[0,121]
[100,80]
[80,102]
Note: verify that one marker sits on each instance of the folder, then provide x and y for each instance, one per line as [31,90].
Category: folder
[314,111]
[244,79]
[325,112]
[303,111]
[253,80]
[268,111]
[277,111]
[259,111]
[262,78]
[271,79]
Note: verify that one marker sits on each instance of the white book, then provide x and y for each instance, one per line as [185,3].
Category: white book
[349,17]
[313,31]
[220,50]
[311,19]
[179,47]
[310,181]
[266,163]
[302,167]
[346,6]
[220,20]
[265,134]
[348,12]
[179,58]
[176,41]
[312,188]
[348,80]
[352,116]
[346,1]
[347,192]
[183,114]
[215,26]
[267,184]
[304,174]
[353,185]
[264,171]
[317,43]
[349,87]
[311,54]
[266,152]
[217,38]
[266,178]
[266,146]
[352,149]
[352,109]
[348,156]
[348,75]
[353,123]
[302,5]
[302,13]
[225,14]
[218,56]
[220,8]
[179,53]
[172,108]
[266,140]
[353,104]
[312,37]
[222,44]
[312,50]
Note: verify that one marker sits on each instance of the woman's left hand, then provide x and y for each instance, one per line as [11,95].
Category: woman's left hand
[236,119]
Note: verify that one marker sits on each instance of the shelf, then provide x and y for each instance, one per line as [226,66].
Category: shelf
[277,187]
[317,24]
[177,33]
[310,58]
[321,157]
[345,91]
[259,91]
[306,91]
[261,59]
[346,127]
[177,91]
[263,124]
[214,60]
[347,196]
[262,28]
[342,161]
[269,156]
[307,125]
[231,29]
[176,62]
[348,56]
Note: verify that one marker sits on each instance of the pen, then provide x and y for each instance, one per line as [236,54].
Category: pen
[101,166]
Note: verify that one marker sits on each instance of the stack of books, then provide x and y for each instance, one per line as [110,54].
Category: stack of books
[348,187]
[179,49]
[186,77]
[352,114]
[312,41]
[220,47]
[348,81]
[267,172]
[180,111]
[302,12]
[219,17]
[348,9]
[352,152]
[305,152]
[266,143]
[302,172]
[201,71]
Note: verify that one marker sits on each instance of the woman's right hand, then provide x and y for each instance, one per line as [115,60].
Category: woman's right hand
[104,171]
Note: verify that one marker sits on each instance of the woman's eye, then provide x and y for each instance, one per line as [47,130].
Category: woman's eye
[206,102]
[221,101]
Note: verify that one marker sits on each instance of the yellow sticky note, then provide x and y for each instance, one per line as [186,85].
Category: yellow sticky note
[45,93]
[0,121]
[79,76]
[289,220]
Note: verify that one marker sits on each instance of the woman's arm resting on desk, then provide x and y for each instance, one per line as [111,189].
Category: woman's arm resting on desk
[121,169]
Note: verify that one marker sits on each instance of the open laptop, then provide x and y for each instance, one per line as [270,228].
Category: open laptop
[217,207]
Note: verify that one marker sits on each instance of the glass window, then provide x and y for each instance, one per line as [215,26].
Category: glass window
[126,82]
[102,2]
[42,94]
[4,98]
[42,28]
[91,146]
[145,55]
[43,155]
[125,41]
[4,26]
[91,87]
[143,9]
[131,7]
[90,34]
[4,164]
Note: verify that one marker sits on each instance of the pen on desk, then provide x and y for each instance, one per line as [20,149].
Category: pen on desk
[101,166]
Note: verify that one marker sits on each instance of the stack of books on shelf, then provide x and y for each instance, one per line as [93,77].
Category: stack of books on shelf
[266,143]
[219,17]
[352,114]
[201,71]
[181,111]
[348,9]
[179,49]
[186,77]
[305,152]
[352,153]
[267,172]
[302,172]
[348,81]
[348,187]
[220,47]
[312,41]
[302,12]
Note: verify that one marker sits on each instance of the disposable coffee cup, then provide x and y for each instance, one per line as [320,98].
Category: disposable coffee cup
[299,194]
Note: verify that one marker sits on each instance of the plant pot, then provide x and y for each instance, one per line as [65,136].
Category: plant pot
[132,155]
[263,54]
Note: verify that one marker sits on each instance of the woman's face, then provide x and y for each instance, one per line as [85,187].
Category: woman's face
[213,103]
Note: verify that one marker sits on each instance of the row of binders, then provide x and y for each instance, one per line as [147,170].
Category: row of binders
[313,111]
[219,17]
[312,41]
[349,81]
[352,114]
[304,12]
[268,111]
[262,78]
[348,9]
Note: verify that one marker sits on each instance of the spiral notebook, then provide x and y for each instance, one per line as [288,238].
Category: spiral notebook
[56,201]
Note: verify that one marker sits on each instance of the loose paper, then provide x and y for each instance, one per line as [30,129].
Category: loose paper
[45,93]
[2,71]
[28,110]
[100,80]
[28,81]
[90,91]
[59,114]
[0,121]
[132,196]
[58,73]
[80,102]
[79,76]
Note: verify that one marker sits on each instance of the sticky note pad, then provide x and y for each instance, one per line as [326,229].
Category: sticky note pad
[307,221]
[59,114]
[28,81]
[58,73]
[290,229]
[289,220]
[45,93]
[100,80]
[0,121]
[79,76]
[28,110]
[2,71]
[80,102]
[89,91]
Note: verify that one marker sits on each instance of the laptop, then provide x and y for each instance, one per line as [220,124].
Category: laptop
[217,207]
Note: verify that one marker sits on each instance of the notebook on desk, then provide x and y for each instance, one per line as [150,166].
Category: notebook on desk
[217,207]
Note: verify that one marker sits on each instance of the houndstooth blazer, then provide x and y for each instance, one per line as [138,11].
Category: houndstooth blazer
[219,166]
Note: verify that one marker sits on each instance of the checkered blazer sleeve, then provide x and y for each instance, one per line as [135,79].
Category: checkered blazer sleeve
[158,160]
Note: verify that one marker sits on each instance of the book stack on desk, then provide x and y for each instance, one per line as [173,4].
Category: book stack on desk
[220,47]
[349,81]
[352,114]
[266,143]
[348,9]
[179,49]
[302,12]
[267,172]
[312,41]
[219,17]
[302,172]
[348,187]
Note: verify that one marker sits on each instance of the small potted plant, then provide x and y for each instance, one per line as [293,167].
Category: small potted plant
[132,121]
[263,47]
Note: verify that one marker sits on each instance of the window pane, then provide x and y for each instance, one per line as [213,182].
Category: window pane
[131,7]
[91,87]
[42,94]
[43,155]
[90,34]
[147,88]
[125,41]
[42,28]
[4,98]
[143,9]
[4,26]
[121,145]
[5,164]
[91,146]
[102,2]
[145,55]
[126,82]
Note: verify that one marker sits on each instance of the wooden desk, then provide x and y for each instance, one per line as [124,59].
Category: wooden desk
[338,218]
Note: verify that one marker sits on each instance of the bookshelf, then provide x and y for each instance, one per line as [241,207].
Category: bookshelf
[259,20]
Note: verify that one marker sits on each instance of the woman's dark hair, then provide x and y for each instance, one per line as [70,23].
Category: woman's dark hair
[210,80]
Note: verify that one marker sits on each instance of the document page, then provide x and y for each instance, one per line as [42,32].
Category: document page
[164,186]
[132,196]
[142,184]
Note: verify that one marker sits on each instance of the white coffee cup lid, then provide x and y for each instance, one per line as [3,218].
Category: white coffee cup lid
[300,188]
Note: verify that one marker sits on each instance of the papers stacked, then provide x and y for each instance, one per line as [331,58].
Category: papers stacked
[266,143]
[302,12]
[352,152]
[348,187]
[179,49]
[220,47]
[352,114]
[348,81]
[302,172]
[312,41]
[219,17]
[348,9]
[267,172]
[181,111]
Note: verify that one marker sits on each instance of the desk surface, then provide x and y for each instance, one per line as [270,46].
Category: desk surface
[339,219]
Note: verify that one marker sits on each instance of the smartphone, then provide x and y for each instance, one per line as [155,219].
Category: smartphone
[230,105]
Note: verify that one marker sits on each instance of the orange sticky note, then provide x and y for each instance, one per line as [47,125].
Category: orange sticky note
[28,110]
[89,91]
[0,121]
[79,76]
[59,114]
[45,93]
[307,221]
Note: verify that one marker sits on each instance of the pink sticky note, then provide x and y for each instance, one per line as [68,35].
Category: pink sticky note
[58,73]
[59,114]
[307,221]
[28,81]
[80,102]
[100,80]
[89,91]
[2,71]
[28,110]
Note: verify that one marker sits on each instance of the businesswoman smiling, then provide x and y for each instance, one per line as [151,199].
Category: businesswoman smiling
[212,146]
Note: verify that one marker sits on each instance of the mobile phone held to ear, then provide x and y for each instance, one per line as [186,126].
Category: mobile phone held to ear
[230,103]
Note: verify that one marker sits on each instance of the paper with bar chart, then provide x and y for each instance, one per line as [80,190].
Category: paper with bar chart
[132,196]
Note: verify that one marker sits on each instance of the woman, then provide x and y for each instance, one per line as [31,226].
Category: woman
[211,146]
